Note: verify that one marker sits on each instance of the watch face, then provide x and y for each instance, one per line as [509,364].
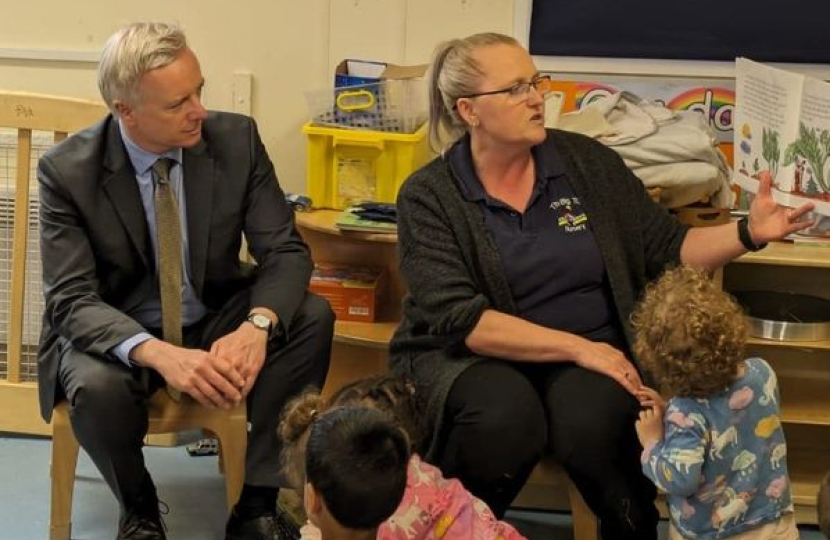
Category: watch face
[260,321]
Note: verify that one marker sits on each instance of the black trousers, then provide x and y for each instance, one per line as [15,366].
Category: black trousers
[108,400]
[501,418]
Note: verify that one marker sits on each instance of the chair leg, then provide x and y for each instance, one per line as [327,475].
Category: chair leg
[64,461]
[585,522]
[232,445]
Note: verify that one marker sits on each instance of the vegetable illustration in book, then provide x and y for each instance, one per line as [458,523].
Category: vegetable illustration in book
[782,125]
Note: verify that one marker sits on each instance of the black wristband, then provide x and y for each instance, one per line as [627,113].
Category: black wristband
[746,238]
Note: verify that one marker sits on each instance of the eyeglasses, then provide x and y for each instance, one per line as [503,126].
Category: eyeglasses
[520,91]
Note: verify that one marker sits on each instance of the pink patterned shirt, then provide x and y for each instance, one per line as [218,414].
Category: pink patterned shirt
[434,508]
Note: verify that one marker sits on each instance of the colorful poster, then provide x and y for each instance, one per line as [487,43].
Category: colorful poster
[713,98]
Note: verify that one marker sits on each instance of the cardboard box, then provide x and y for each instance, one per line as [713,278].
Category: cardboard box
[358,72]
[353,292]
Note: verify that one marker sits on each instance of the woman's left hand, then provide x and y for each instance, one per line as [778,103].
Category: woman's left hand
[770,221]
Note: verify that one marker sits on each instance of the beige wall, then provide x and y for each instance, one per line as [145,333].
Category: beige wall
[288,46]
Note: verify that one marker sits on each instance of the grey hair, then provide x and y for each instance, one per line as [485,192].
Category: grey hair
[131,52]
[455,73]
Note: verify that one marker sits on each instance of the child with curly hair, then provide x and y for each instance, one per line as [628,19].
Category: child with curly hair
[716,447]
[432,506]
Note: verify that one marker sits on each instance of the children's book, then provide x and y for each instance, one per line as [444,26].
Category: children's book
[349,221]
[782,125]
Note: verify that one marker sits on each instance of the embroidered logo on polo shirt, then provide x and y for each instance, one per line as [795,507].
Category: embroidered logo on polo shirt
[571,217]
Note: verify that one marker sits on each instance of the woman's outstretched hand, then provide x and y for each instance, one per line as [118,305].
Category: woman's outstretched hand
[770,221]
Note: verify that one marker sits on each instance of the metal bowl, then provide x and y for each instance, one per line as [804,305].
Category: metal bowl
[785,316]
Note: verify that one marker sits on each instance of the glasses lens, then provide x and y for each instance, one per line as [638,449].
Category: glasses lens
[543,85]
[520,90]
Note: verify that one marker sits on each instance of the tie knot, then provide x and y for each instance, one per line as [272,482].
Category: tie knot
[162,169]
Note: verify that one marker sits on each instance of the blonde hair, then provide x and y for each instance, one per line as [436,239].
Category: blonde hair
[689,334]
[454,73]
[131,52]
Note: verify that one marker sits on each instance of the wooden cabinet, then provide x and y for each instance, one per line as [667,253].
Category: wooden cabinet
[359,348]
[803,368]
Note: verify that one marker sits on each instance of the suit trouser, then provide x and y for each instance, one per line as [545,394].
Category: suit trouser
[501,418]
[108,400]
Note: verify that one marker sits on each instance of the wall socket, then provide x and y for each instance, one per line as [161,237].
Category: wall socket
[242,92]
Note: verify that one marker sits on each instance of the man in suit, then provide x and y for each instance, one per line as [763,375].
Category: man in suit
[113,333]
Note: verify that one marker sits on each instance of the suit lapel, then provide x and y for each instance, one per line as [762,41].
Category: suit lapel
[199,178]
[122,189]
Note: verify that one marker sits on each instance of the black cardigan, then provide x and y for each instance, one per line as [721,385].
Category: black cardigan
[452,269]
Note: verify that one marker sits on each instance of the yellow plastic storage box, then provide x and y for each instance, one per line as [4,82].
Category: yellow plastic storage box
[348,166]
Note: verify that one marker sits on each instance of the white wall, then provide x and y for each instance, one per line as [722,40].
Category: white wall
[289,46]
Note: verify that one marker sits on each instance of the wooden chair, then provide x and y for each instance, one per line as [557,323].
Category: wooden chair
[166,416]
[549,488]
[29,125]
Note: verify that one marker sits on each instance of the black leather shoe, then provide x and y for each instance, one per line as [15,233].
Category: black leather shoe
[269,526]
[135,526]
[142,520]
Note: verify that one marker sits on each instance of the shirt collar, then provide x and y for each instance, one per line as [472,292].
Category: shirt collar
[141,159]
[545,156]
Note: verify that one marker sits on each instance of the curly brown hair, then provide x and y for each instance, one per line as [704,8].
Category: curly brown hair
[689,334]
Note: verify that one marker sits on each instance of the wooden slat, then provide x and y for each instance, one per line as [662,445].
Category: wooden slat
[21,229]
[374,335]
[48,113]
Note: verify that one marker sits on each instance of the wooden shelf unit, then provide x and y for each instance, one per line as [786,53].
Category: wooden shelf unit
[359,349]
[802,367]
[790,254]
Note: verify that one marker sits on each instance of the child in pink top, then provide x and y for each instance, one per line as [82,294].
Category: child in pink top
[432,507]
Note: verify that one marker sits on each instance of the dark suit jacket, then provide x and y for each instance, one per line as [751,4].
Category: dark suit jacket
[98,263]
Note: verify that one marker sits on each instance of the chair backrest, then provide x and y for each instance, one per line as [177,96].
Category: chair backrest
[29,125]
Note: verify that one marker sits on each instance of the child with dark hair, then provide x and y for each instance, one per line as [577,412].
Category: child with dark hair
[432,507]
[716,447]
[355,468]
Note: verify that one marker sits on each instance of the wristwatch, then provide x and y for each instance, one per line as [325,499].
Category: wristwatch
[260,321]
[746,238]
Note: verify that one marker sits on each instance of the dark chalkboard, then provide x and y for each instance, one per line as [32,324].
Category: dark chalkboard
[764,30]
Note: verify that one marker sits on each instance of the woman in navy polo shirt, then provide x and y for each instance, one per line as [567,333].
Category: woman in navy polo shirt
[524,250]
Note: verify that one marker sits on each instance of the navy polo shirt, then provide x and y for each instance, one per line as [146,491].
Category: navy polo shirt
[549,254]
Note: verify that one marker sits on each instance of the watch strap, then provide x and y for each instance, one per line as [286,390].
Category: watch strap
[746,238]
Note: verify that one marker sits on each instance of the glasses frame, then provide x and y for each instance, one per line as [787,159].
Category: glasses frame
[513,89]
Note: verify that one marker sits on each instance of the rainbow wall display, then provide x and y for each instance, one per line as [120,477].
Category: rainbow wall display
[714,98]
